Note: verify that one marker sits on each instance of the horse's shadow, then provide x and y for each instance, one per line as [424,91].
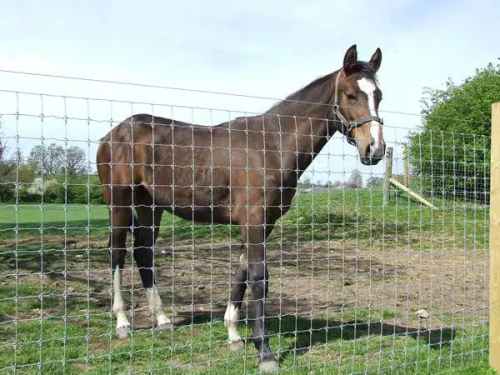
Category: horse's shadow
[308,333]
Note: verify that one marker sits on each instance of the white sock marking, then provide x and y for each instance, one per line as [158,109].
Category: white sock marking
[118,304]
[230,320]
[368,87]
[156,306]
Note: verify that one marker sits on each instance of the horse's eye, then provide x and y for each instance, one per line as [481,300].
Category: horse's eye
[351,96]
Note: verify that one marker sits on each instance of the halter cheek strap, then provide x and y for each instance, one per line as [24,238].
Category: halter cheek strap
[348,126]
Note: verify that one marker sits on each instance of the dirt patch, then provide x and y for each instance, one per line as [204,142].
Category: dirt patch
[312,281]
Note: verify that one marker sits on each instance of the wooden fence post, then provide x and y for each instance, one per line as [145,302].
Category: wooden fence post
[494,311]
[388,176]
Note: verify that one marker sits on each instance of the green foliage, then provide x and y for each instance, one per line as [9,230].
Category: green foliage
[80,190]
[73,190]
[450,154]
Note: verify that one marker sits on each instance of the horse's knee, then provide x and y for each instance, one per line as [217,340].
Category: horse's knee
[258,277]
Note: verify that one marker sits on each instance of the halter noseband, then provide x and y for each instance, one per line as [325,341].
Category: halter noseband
[348,126]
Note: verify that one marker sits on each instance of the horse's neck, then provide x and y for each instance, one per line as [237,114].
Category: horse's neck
[308,139]
[304,124]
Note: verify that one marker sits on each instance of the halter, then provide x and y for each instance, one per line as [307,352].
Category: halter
[348,126]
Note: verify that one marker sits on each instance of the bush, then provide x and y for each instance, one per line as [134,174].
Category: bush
[451,153]
[80,190]
[77,190]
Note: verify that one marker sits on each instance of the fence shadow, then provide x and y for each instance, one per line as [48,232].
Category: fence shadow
[308,333]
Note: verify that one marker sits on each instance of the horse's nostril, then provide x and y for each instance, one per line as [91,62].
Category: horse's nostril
[372,142]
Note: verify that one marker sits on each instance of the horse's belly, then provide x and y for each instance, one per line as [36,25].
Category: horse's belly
[209,215]
[201,204]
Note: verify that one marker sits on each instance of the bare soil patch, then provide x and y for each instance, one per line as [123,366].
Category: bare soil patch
[310,281]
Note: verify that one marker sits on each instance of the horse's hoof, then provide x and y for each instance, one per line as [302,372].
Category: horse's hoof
[268,365]
[122,332]
[236,345]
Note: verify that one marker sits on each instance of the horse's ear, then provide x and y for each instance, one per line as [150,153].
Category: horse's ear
[376,59]
[350,58]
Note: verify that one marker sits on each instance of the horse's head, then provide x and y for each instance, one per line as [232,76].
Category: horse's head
[356,102]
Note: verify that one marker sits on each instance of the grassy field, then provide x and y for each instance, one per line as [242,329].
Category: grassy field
[347,278]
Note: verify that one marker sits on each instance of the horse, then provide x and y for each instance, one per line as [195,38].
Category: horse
[244,172]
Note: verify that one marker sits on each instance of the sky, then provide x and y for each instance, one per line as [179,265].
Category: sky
[255,48]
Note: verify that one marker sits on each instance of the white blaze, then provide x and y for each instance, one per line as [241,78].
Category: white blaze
[368,87]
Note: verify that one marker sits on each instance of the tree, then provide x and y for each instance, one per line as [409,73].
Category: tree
[374,181]
[46,160]
[337,184]
[306,184]
[450,152]
[75,161]
[8,165]
[2,142]
[355,180]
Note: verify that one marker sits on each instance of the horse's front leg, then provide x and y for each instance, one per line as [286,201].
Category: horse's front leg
[258,278]
[239,287]
[232,314]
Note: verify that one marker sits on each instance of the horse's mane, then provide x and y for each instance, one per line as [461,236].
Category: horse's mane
[325,85]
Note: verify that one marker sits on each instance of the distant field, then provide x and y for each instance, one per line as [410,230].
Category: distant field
[347,277]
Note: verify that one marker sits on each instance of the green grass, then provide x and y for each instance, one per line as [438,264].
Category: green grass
[345,215]
[57,335]
[335,347]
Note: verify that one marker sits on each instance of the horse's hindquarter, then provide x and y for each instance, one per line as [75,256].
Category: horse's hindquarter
[122,154]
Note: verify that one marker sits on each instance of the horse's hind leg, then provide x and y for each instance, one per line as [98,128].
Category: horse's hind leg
[121,220]
[144,240]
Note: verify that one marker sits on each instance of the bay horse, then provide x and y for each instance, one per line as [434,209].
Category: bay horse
[244,172]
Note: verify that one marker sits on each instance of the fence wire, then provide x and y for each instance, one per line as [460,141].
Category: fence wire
[362,279]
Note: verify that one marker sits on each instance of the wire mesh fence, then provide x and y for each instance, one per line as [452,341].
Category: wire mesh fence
[355,285]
